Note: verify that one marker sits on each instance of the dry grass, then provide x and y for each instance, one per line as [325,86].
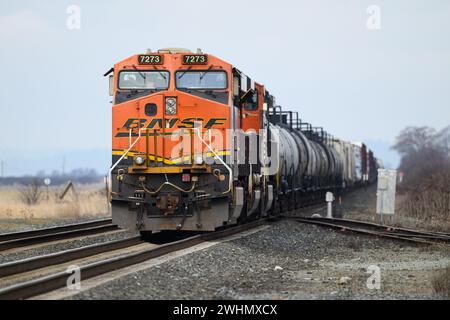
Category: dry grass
[361,205]
[441,283]
[431,195]
[424,195]
[89,202]
[425,218]
[32,193]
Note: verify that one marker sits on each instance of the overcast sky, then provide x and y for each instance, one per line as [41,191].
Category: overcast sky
[316,57]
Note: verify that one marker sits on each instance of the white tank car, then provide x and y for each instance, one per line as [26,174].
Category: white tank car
[347,154]
[357,146]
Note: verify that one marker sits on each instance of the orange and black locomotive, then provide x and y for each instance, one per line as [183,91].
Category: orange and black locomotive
[198,145]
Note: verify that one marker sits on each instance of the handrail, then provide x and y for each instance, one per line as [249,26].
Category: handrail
[230,179]
[120,160]
[230,184]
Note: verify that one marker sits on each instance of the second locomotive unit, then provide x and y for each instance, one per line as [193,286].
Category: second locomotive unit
[198,145]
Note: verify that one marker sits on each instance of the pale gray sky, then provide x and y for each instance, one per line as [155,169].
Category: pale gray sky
[317,57]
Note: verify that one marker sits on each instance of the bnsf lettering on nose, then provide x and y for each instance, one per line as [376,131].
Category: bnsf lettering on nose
[134,123]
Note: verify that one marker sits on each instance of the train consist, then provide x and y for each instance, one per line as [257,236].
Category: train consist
[198,145]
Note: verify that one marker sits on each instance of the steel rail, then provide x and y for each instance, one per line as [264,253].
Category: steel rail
[40,232]
[21,266]
[386,234]
[391,229]
[55,281]
[40,239]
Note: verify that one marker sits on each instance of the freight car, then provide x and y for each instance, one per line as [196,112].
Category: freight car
[198,145]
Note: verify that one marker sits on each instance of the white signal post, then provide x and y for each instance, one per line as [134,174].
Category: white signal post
[387,183]
[329,198]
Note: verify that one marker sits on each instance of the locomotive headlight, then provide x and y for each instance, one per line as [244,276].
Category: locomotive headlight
[199,160]
[171,106]
[139,160]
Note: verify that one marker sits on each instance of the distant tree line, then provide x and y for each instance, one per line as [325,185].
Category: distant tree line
[425,162]
[80,176]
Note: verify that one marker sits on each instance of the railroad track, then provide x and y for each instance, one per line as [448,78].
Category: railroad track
[28,238]
[24,288]
[369,228]
[43,284]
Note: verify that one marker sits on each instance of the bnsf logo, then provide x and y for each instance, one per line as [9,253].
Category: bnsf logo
[134,123]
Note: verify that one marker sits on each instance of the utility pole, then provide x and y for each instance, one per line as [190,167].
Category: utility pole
[2,169]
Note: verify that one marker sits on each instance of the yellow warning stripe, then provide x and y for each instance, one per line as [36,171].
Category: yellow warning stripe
[167,160]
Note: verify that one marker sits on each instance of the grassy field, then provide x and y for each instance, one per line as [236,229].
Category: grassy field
[361,205]
[421,214]
[87,201]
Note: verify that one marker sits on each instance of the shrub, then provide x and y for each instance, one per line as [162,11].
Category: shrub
[31,194]
[426,164]
[441,283]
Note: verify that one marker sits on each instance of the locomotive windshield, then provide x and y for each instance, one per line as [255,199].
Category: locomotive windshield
[143,80]
[203,80]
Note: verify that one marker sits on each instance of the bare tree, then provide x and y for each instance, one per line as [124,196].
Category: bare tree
[31,194]
[424,153]
[443,138]
[413,139]
[426,164]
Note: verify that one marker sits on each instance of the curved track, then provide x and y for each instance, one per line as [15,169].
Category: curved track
[369,228]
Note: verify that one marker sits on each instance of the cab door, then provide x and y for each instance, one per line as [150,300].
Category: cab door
[251,107]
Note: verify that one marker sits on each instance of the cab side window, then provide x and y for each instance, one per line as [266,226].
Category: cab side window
[251,103]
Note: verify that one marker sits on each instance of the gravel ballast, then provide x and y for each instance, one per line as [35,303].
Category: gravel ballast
[288,260]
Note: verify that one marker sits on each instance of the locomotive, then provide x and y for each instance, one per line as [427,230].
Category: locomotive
[198,145]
